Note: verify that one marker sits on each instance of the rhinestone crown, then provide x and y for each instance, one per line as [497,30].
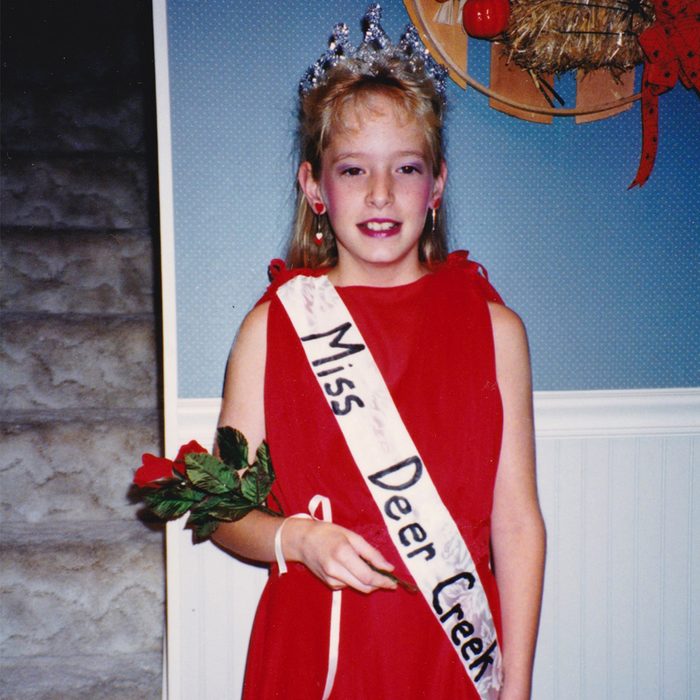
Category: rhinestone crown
[375,48]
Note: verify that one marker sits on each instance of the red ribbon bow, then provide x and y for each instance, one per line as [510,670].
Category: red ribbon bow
[672,49]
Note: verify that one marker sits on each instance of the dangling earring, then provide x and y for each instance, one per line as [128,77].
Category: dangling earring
[320,211]
[433,215]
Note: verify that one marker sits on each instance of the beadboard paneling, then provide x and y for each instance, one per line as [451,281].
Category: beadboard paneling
[619,486]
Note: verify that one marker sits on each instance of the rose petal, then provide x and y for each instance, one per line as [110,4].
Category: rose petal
[153,469]
[191,446]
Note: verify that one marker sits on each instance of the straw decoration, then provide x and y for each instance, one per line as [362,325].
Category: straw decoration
[554,36]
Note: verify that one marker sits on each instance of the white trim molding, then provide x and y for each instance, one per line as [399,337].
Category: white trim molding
[617,413]
[167,223]
[558,414]
[199,416]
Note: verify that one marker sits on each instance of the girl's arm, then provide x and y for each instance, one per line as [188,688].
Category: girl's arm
[517,528]
[333,553]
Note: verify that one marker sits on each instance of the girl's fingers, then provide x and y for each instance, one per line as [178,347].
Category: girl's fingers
[335,583]
[369,553]
[340,557]
[364,581]
[356,559]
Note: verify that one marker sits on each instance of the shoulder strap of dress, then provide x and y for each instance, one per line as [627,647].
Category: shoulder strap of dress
[458,262]
[278,273]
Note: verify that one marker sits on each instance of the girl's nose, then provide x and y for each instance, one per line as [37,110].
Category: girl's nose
[380,191]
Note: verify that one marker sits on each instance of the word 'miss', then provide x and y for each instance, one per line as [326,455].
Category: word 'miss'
[341,384]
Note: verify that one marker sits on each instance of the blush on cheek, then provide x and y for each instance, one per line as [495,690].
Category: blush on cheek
[328,190]
[424,192]
[330,199]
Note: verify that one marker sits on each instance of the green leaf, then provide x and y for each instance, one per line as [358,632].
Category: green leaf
[233,447]
[168,508]
[210,474]
[257,480]
[231,506]
[262,458]
[232,513]
[202,528]
[193,494]
[207,502]
[199,514]
[255,484]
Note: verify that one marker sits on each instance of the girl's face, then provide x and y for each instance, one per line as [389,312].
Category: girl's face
[377,185]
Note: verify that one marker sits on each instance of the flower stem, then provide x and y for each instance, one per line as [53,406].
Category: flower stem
[404,584]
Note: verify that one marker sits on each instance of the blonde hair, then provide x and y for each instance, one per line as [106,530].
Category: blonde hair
[321,113]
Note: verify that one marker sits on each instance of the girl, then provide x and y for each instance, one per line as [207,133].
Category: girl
[393,388]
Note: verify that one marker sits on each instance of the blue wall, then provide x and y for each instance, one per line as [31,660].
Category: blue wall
[607,280]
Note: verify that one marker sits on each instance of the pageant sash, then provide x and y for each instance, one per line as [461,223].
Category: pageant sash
[421,527]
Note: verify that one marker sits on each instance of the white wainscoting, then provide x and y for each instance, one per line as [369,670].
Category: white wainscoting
[619,480]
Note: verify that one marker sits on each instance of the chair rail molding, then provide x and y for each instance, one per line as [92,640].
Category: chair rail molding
[558,414]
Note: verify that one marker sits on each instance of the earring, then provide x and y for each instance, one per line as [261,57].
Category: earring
[433,214]
[320,211]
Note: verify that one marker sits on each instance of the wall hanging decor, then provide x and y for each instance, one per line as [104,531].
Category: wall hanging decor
[554,36]
[672,50]
[532,41]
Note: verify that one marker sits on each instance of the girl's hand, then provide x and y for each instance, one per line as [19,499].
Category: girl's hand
[336,555]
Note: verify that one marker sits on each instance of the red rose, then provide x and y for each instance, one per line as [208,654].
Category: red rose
[153,469]
[156,469]
[191,446]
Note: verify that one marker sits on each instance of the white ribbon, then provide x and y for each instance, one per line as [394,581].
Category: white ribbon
[336,599]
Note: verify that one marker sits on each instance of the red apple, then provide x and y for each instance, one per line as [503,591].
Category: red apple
[486,19]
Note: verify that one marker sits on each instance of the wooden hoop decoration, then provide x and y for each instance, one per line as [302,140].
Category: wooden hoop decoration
[448,44]
[552,111]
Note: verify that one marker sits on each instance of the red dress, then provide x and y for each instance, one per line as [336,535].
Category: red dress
[433,342]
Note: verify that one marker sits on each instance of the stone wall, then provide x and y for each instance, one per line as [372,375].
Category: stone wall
[81,577]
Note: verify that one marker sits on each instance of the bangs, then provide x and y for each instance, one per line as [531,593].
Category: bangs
[352,110]
[369,98]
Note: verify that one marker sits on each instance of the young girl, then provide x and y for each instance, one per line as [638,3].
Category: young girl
[393,388]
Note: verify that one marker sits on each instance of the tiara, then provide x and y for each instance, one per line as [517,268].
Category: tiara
[375,49]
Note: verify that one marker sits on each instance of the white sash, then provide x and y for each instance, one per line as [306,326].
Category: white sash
[420,525]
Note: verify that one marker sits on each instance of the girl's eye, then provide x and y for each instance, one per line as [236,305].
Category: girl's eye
[351,171]
[409,169]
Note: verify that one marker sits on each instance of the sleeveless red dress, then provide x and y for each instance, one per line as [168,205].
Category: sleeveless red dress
[433,342]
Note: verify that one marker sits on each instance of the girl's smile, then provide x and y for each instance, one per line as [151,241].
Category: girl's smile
[377,184]
[380,228]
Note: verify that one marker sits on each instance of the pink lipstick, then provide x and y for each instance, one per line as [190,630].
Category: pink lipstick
[380,228]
